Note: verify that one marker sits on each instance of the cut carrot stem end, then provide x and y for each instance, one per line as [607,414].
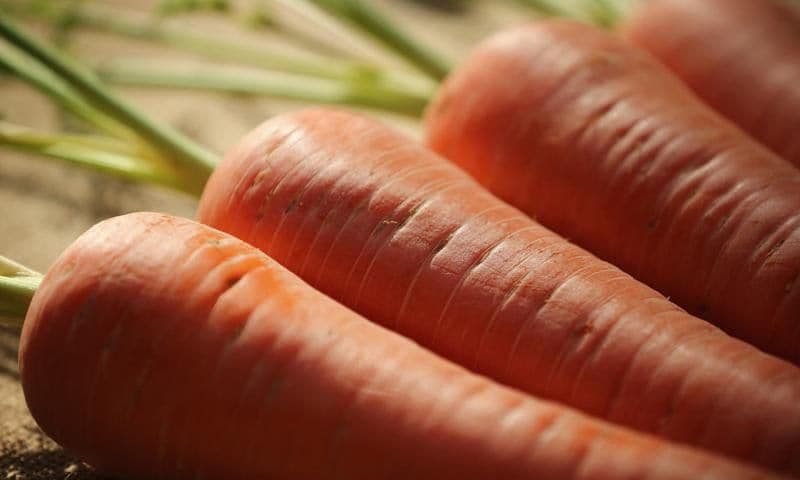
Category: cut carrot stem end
[17,286]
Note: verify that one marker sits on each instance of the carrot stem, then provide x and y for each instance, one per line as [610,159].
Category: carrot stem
[122,23]
[11,268]
[547,8]
[174,7]
[356,94]
[95,153]
[17,286]
[195,162]
[266,16]
[61,93]
[372,21]
[303,20]
[604,13]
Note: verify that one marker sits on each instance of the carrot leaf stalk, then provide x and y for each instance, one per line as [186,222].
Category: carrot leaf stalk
[122,23]
[260,16]
[174,7]
[93,152]
[17,286]
[548,8]
[375,23]
[60,92]
[337,92]
[195,162]
[604,13]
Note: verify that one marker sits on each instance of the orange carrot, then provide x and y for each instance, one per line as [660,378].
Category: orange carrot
[600,143]
[160,348]
[740,56]
[410,241]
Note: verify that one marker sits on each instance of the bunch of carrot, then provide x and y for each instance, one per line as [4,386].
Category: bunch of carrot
[148,313]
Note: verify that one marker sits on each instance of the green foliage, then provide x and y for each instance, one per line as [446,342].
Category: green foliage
[176,7]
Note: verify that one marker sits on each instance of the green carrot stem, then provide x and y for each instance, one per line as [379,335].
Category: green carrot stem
[263,16]
[17,286]
[195,162]
[95,153]
[10,268]
[95,18]
[305,19]
[9,130]
[174,7]
[355,94]
[604,13]
[220,49]
[375,23]
[61,93]
[547,8]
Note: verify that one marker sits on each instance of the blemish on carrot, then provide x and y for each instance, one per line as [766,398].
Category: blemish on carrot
[585,329]
[411,213]
[81,315]
[774,249]
[259,179]
[260,213]
[385,223]
[271,147]
[291,206]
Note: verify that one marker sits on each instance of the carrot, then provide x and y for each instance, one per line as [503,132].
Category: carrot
[160,348]
[410,241]
[740,56]
[600,143]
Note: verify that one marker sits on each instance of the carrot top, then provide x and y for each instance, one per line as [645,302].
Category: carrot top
[82,93]
[17,286]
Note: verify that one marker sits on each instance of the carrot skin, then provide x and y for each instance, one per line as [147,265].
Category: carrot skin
[413,243]
[161,348]
[741,56]
[600,143]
